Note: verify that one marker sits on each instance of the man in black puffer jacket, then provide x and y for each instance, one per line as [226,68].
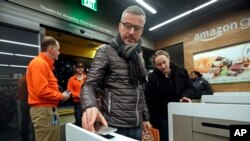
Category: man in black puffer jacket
[118,71]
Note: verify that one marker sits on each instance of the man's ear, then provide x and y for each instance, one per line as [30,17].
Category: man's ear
[49,49]
[119,26]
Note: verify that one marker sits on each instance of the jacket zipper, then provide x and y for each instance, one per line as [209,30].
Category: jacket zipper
[136,110]
[109,102]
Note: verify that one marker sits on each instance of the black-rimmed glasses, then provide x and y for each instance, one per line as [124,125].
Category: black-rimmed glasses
[129,26]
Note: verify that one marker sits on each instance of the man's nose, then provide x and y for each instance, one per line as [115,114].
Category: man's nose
[162,66]
[132,30]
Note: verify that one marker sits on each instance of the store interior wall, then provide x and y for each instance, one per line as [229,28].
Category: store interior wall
[228,38]
[94,25]
[18,46]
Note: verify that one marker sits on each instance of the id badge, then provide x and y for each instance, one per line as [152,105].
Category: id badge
[54,120]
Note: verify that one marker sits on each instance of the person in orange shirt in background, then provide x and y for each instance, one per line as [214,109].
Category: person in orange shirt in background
[44,94]
[75,84]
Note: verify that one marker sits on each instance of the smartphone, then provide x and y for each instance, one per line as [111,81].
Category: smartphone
[105,130]
[67,92]
[108,136]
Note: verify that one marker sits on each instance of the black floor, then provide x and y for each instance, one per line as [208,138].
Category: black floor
[10,135]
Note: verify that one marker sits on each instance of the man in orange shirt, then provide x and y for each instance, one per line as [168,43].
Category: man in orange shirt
[75,84]
[44,95]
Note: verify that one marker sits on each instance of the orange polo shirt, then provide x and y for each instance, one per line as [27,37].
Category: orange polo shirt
[41,82]
[74,86]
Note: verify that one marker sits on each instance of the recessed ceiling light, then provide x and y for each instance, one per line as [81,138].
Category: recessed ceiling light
[182,15]
[145,5]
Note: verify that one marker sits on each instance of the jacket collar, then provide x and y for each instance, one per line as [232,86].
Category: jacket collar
[48,60]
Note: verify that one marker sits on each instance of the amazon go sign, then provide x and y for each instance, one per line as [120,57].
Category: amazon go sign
[220,30]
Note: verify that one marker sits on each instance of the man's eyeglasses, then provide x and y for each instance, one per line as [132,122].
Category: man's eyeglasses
[129,26]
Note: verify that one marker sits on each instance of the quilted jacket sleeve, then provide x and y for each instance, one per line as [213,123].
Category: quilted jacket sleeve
[94,79]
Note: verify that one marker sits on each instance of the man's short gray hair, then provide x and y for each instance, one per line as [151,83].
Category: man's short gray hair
[135,10]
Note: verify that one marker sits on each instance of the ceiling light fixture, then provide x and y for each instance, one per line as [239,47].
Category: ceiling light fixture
[182,15]
[148,7]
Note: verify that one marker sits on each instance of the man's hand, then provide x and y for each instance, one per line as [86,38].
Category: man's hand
[146,125]
[90,116]
[65,96]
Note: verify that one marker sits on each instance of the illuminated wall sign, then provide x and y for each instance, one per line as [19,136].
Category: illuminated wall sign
[215,32]
[92,4]
[73,11]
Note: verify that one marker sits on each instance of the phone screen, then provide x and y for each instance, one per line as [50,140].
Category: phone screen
[108,136]
[105,130]
[68,92]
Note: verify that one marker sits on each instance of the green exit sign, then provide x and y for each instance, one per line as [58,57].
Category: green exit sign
[92,4]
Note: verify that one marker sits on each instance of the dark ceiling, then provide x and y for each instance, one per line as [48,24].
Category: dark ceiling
[167,9]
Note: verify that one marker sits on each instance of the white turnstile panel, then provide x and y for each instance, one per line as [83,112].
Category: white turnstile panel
[75,133]
[190,116]
[227,98]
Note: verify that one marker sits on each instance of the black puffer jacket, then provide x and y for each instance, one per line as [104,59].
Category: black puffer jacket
[123,104]
[157,89]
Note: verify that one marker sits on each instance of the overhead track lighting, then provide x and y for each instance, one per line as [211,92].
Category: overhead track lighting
[182,15]
[145,5]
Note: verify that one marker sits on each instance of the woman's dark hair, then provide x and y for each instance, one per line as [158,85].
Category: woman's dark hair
[197,73]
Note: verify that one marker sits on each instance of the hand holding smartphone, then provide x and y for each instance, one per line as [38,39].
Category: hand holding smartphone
[66,95]
[67,92]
